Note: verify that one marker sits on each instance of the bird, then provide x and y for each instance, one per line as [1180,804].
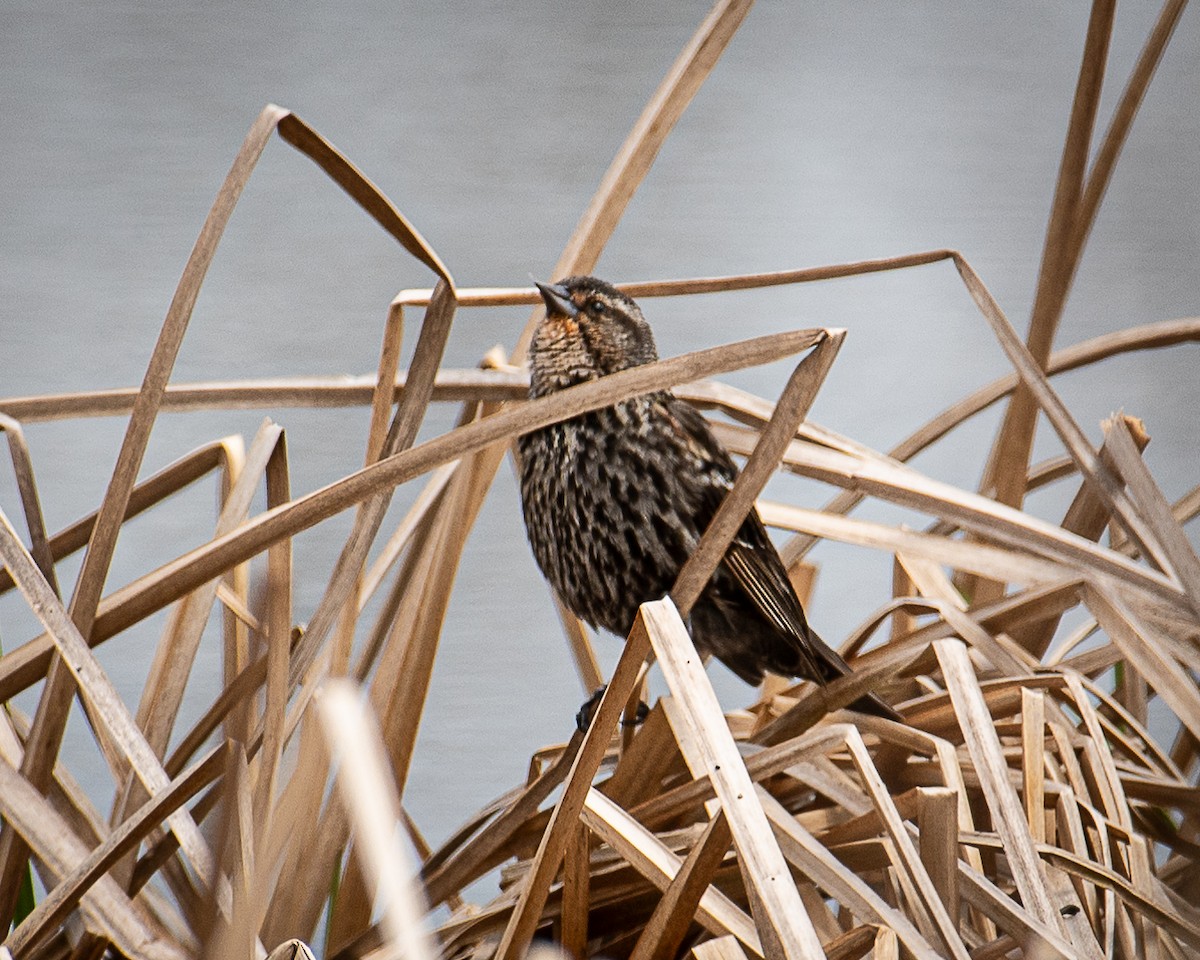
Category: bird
[615,501]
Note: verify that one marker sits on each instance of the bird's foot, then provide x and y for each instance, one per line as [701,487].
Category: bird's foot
[583,719]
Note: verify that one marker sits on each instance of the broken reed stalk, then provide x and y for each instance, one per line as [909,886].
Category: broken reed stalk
[1023,809]
[1077,198]
[1021,554]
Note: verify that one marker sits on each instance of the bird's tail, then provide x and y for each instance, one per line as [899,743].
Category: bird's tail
[873,706]
[835,666]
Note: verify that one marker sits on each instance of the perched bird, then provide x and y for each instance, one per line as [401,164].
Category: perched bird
[616,500]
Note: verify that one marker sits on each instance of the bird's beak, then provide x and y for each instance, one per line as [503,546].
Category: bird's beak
[558,300]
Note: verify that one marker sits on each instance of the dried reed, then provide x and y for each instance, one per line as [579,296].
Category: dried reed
[1022,809]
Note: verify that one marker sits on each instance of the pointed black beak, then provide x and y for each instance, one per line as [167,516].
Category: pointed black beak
[558,300]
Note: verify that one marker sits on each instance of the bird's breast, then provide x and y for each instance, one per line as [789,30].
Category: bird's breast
[609,514]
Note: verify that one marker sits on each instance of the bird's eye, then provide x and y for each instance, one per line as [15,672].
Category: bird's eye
[596,307]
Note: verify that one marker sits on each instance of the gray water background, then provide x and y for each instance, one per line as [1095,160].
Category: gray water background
[827,133]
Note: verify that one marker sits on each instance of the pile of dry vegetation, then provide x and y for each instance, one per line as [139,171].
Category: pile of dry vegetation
[1021,810]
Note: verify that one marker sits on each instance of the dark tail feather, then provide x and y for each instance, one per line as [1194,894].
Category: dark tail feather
[872,705]
[835,666]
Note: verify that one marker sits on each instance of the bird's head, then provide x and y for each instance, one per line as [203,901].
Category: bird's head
[591,329]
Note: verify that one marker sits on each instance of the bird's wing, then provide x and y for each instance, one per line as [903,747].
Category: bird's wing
[755,564]
[752,558]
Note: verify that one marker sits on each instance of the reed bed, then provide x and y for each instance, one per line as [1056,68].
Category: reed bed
[1022,809]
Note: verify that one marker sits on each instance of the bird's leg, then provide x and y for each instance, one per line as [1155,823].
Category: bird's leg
[583,719]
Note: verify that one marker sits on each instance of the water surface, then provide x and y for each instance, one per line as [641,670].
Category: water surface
[826,134]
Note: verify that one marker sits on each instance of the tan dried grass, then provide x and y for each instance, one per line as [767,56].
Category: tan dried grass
[1022,809]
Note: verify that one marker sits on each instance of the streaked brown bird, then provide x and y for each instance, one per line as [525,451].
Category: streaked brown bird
[616,500]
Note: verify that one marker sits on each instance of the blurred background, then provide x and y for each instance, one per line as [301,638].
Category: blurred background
[827,133]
